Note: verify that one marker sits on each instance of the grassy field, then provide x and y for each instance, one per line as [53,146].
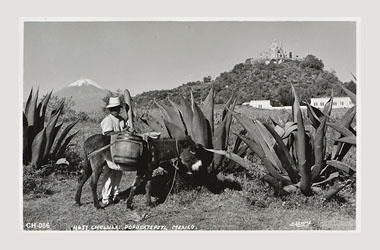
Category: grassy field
[252,207]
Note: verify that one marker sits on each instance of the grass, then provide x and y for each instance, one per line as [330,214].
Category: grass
[251,208]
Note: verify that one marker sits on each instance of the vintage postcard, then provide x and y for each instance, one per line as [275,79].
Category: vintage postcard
[190,124]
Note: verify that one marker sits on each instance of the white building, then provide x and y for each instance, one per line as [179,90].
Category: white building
[260,104]
[338,102]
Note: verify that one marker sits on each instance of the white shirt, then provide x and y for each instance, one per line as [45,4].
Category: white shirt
[112,123]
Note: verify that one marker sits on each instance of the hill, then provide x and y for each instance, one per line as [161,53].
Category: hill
[256,79]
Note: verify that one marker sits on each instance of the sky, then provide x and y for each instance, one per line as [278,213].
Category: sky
[143,56]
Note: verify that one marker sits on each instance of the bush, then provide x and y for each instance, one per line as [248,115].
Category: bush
[312,62]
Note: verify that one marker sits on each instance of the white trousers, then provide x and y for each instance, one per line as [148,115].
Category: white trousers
[110,182]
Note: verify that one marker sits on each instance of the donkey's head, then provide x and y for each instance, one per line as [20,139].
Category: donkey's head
[190,154]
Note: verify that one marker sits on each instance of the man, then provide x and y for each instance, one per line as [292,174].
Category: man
[112,124]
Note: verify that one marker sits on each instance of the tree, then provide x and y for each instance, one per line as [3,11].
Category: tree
[312,62]
[351,85]
[284,96]
[207,79]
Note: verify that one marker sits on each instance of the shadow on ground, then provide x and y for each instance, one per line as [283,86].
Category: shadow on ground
[162,185]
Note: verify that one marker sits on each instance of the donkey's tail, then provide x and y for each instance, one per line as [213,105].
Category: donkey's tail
[86,166]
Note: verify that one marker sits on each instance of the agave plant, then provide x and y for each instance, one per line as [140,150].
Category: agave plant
[187,118]
[41,142]
[295,157]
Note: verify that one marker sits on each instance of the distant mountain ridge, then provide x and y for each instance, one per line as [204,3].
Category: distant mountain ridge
[86,94]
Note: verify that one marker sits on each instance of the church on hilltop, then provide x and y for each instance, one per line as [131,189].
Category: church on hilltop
[275,54]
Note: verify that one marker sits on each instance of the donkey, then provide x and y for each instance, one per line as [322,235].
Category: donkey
[155,151]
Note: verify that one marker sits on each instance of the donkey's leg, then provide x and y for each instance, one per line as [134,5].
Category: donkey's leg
[94,181]
[87,171]
[137,182]
[148,186]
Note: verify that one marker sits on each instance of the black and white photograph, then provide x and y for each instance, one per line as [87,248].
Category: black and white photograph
[190,124]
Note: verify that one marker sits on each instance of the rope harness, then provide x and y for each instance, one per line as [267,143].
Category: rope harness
[100,149]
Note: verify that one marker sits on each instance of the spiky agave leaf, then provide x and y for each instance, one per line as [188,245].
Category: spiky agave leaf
[256,147]
[238,140]
[347,139]
[219,141]
[289,128]
[171,115]
[353,77]
[341,166]
[154,124]
[62,137]
[185,113]
[63,147]
[348,117]
[130,113]
[270,144]
[208,109]
[253,145]
[32,115]
[313,114]
[288,162]
[331,177]
[49,130]
[227,106]
[277,127]
[318,149]
[56,129]
[28,101]
[41,111]
[228,118]
[38,146]
[58,108]
[252,129]
[329,104]
[296,105]
[232,156]
[199,127]
[25,140]
[303,164]
[334,190]
[173,130]
[242,152]
[345,121]
[342,130]
[222,132]
[348,92]
[274,183]
[245,122]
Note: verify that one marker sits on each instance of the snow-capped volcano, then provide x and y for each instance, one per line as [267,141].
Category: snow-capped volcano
[86,94]
[84,82]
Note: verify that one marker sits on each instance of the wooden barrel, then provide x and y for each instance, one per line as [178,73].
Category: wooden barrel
[127,149]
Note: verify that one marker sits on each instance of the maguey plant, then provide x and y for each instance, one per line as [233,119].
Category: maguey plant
[41,140]
[295,156]
[187,118]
